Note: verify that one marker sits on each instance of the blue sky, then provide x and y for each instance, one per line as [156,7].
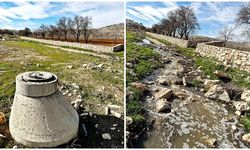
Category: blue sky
[18,15]
[211,15]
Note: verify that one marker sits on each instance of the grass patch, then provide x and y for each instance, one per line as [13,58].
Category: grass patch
[246,122]
[144,59]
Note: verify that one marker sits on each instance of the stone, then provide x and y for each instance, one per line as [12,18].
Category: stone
[69,66]
[217,92]
[209,83]
[140,86]
[40,113]
[129,65]
[100,66]
[237,113]
[77,103]
[211,142]
[241,106]
[162,81]
[233,127]
[106,136]
[129,120]
[164,93]
[246,95]
[222,76]
[14,147]
[75,86]
[116,114]
[2,118]
[184,81]
[163,106]
[246,137]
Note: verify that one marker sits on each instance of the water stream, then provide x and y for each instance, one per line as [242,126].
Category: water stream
[190,124]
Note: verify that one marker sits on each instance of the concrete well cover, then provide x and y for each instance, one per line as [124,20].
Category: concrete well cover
[40,115]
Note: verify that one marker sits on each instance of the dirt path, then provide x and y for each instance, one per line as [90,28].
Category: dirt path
[180,113]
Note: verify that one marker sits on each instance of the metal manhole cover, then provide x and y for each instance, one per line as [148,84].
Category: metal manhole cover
[38,77]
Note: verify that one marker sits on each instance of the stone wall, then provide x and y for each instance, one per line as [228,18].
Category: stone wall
[97,48]
[177,41]
[228,56]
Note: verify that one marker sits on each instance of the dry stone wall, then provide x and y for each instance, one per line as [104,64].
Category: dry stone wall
[97,48]
[177,41]
[228,56]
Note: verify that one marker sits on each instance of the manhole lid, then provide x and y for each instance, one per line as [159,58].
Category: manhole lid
[38,76]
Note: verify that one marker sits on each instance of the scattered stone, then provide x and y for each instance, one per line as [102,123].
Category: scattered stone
[14,147]
[129,65]
[163,106]
[217,92]
[84,65]
[75,86]
[106,136]
[184,81]
[222,76]
[202,90]
[237,113]
[209,83]
[84,114]
[129,120]
[112,128]
[142,87]
[211,142]
[69,66]
[96,125]
[116,114]
[78,102]
[164,93]
[233,127]
[100,66]
[241,106]
[246,95]
[2,118]
[162,81]
[246,137]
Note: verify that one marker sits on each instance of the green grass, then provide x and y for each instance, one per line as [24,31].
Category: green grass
[145,60]
[246,122]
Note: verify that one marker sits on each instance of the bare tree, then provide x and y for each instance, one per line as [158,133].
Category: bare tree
[187,21]
[76,26]
[63,26]
[243,16]
[36,33]
[52,31]
[43,30]
[226,34]
[87,22]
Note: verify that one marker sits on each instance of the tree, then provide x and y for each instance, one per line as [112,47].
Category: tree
[87,22]
[52,31]
[76,26]
[243,16]
[187,21]
[63,26]
[226,34]
[36,33]
[43,29]
[25,32]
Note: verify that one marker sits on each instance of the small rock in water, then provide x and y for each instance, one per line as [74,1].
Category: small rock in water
[246,137]
[237,113]
[106,136]
[129,120]
[2,118]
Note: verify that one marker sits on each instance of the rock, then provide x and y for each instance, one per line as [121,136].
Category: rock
[107,110]
[77,104]
[211,142]
[202,90]
[237,113]
[209,83]
[241,106]
[164,93]
[129,120]
[69,66]
[246,95]
[246,137]
[163,106]
[14,147]
[116,114]
[222,76]
[217,92]
[106,136]
[100,66]
[84,65]
[2,118]
[184,81]
[140,86]
[162,81]
[75,86]
[233,127]
[129,65]
[173,79]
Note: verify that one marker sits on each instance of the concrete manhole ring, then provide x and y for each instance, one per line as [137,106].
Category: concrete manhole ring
[38,76]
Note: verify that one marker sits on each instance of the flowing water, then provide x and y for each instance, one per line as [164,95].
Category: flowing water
[190,124]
